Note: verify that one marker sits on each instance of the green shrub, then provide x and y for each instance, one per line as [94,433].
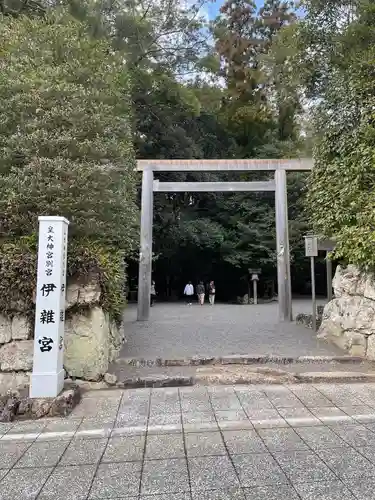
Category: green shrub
[65,149]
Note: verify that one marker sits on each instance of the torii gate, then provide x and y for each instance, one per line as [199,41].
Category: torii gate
[149,186]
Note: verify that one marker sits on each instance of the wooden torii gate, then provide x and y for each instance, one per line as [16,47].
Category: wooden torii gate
[278,185]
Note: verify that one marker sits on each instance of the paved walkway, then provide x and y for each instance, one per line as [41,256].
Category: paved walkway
[176,330]
[215,443]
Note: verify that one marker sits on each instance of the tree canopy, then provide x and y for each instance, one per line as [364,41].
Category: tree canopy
[65,145]
[224,88]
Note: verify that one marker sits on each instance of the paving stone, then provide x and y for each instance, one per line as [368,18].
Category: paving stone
[95,427]
[277,492]
[190,393]
[167,395]
[264,419]
[11,452]
[339,396]
[3,473]
[231,425]
[362,489]
[129,431]
[347,465]
[68,483]
[230,415]
[192,405]
[116,480]
[359,411]
[62,425]
[281,397]
[304,466]
[226,404]
[299,417]
[28,427]
[164,476]
[254,400]
[332,490]
[310,397]
[208,473]
[164,429]
[84,451]
[165,419]
[355,435]
[131,420]
[134,408]
[201,427]
[165,446]
[124,449]
[331,415]
[320,437]
[23,483]
[43,454]
[243,442]
[172,496]
[5,427]
[221,391]
[282,439]
[258,470]
[164,408]
[97,407]
[198,417]
[368,452]
[223,494]
[202,444]
[142,394]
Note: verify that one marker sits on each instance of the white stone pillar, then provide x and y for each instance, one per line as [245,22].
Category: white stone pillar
[47,379]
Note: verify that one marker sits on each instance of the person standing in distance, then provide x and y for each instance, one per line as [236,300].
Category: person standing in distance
[211,292]
[201,293]
[189,292]
[153,293]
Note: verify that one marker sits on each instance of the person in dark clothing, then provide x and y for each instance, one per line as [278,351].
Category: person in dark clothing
[201,293]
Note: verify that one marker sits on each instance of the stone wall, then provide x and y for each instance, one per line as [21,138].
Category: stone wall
[92,341]
[349,319]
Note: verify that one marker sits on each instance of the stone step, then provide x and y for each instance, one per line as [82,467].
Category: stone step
[313,370]
[237,359]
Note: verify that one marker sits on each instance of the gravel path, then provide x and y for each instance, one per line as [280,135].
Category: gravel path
[177,330]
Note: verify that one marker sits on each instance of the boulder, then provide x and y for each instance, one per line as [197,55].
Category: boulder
[5,329]
[348,281]
[116,340]
[371,348]
[349,319]
[20,328]
[87,345]
[110,378]
[13,381]
[84,294]
[17,356]
[355,343]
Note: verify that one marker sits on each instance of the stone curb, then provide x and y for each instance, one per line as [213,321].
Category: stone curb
[251,379]
[255,377]
[237,359]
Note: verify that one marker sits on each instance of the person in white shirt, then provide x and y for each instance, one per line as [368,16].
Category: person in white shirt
[189,292]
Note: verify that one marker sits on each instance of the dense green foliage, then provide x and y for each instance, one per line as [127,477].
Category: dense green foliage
[339,72]
[65,149]
[219,89]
